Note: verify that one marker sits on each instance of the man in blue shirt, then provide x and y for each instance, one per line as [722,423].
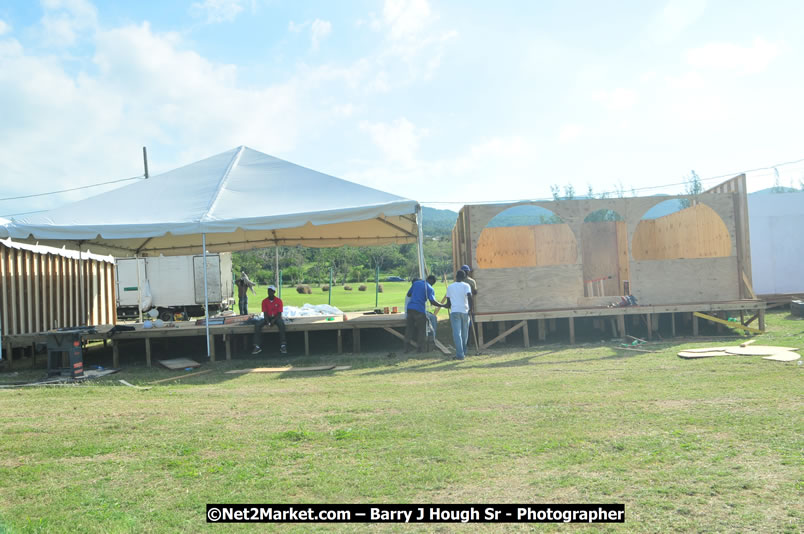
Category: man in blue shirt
[420,293]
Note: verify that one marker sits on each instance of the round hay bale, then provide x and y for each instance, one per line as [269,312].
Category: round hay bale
[347,288]
[758,350]
[379,288]
[325,288]
[362,287]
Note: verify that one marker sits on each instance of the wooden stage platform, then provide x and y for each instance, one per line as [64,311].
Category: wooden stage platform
[616,318]
[394,324]
[353,323]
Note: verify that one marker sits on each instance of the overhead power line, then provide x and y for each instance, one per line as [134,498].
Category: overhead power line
[71,189]
[647,188]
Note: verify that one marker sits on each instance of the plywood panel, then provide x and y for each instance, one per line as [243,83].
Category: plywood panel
[601,256]
[528,288]
[684,281]
[695,232]
[526,246]
[622,255]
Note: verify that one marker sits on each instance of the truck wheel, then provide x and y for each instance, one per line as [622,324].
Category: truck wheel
[166,315]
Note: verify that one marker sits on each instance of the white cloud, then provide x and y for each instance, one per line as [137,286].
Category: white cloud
[5,27]
[217,10]
[570,132]
[411,35]
[149,89]
[406,18]
[734,58]
[675,17]
[65,20]
[619,99]
[319,30]
[492,169]
[399,140]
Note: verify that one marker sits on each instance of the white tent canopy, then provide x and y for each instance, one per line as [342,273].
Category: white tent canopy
[240,199]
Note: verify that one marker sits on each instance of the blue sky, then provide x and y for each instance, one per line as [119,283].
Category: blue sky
[440,101]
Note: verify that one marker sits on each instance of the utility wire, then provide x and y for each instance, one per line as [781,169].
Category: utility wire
[71,189]
[647,188]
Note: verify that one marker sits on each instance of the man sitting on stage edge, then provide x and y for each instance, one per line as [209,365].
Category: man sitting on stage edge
[420,293]
[272,315]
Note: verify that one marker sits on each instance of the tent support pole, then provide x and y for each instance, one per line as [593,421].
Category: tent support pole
[139,289]
[420,241]
[206,293]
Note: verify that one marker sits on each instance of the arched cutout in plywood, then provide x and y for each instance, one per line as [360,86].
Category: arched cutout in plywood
[671,230]
[604,241]
[525,236]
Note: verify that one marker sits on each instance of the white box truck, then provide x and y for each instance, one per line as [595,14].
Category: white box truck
[173,284]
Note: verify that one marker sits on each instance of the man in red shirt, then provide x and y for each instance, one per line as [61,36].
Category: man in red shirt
[272,315]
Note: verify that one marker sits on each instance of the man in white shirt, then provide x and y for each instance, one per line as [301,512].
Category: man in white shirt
[459,302]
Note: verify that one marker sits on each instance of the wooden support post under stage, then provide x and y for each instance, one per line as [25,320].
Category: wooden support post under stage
[211,348]
[621,325]
[115,354]
[694,325]
[228,339]
[340,340]
[762,320]
[148,351]
[542,329]
[479,340]
[356,340]
[501,327]
[571,330]
[306,343]
[648,321]
[673,324]
[613,325]
[526,335]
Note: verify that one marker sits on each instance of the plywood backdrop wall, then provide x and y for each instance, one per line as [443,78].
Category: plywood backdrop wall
[697,255]
[42,289]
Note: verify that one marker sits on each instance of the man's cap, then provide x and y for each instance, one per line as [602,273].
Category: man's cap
[466,268]
[272,287]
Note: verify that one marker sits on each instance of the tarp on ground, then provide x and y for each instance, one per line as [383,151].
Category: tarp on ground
[240,200]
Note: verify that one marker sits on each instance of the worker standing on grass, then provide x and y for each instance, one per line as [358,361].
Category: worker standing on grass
[467,271]
[421,292]
[272,315]
[243,285]
[459,302]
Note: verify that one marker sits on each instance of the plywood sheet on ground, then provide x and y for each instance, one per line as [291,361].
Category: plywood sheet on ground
[710,349]
[179,363]
[710,354]
[280,369]
[758,350]
[783,357]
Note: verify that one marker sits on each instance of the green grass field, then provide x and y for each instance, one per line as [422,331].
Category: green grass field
[712,445]
[393,295]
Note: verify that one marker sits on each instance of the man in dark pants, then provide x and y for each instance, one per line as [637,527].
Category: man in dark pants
[420,293]
[272,315]
[243,285]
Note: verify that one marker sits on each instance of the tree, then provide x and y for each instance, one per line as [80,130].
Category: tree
[693,188]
